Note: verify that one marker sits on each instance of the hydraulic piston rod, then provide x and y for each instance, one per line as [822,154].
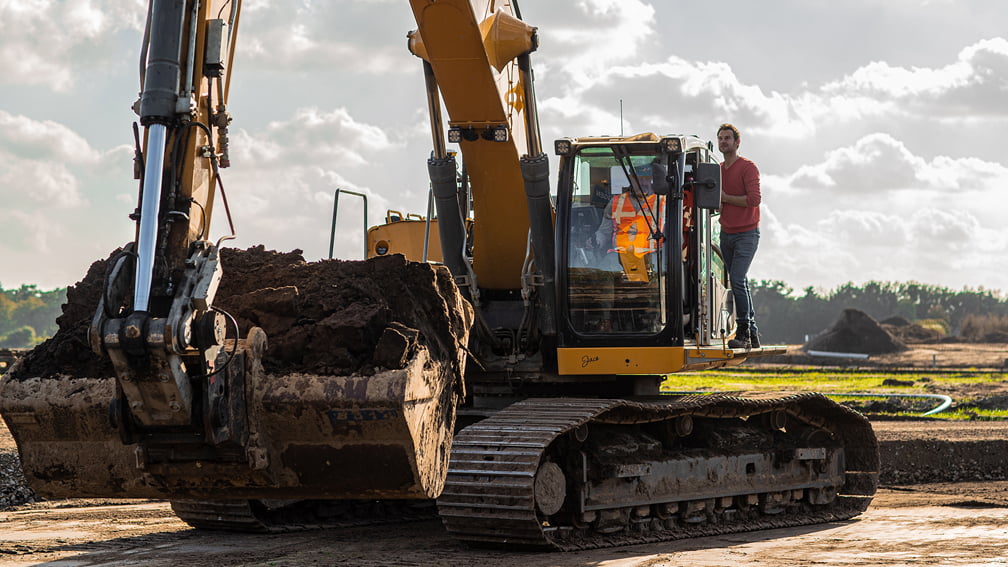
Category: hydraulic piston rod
[149,210]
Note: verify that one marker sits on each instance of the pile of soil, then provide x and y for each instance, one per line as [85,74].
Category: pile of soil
[910,333]
[323,317]
[994,337]
[856,332]
[895,321]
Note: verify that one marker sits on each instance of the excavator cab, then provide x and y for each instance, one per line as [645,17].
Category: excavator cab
[616,241]
[637,266]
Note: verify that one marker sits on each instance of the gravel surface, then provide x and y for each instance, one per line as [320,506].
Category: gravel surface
[13,490]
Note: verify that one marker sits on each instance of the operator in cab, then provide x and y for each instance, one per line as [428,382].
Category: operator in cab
[631,224]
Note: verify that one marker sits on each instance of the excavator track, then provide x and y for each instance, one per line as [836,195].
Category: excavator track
[531,474]
[265,516]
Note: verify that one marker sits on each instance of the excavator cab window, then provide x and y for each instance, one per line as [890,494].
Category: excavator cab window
[615,266]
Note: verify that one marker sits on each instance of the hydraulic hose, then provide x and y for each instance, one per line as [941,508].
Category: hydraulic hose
[946,401]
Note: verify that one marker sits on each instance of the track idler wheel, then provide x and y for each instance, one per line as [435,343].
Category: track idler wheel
[550,488]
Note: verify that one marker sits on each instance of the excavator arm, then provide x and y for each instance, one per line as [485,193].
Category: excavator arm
[358,402]
[156,319]
[477,57]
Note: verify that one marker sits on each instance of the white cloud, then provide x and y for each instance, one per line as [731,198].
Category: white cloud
[55,44]
[43,138]
[586,41]
[41,163]
[880,211]
[332,138]
[944,231]
[878,163]
[859,245]
[676,94]
[856,229]
[41,182]
[881,156]
[286,175]
[976,82]
[26,231]
[337,37]
[61,200]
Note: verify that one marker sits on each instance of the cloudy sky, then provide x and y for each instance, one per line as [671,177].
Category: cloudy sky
[879,127]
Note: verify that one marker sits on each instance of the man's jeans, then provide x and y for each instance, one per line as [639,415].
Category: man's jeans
[739,250]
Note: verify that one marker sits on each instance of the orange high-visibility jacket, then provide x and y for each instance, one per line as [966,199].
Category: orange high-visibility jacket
[631,224]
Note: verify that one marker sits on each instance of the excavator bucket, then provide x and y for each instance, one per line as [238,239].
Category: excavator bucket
[344,387]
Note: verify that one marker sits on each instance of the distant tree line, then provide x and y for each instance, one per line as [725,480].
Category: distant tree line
[788,317]
[28,315]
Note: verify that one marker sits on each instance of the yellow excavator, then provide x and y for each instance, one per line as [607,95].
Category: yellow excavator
[563,313]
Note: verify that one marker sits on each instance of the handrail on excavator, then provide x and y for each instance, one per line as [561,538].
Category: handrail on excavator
[335,208]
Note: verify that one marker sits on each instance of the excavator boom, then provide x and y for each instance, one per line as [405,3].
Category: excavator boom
[470,51]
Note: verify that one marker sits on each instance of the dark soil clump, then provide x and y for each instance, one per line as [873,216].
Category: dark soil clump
[996,402]
[910,333]
[856,332]
[68,351]
[327,317]
[321,317]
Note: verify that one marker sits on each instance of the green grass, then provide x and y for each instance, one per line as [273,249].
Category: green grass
[968,414]
[836,382]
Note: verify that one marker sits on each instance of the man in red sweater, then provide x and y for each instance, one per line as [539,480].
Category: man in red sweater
[740,215]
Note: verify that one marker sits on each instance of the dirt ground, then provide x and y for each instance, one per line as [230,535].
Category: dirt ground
[949,355]
[941,356]
[963,523]
[943,524]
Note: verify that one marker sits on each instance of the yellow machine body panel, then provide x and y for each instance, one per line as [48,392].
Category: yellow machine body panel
[615,360]
[653,360]
[405,237]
